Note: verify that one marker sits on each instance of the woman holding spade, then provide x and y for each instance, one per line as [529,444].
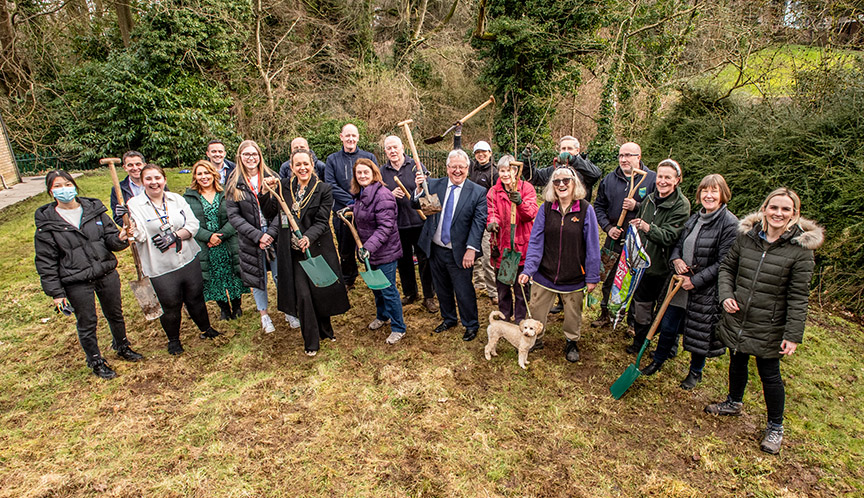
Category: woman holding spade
[309,201]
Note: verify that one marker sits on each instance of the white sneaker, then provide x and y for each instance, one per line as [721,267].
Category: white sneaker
[292,320]
[394,337]
[377,324]
[267,324]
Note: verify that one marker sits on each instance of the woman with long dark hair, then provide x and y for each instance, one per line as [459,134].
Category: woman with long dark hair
[764,285]
[163,225]
[217,239]
[75,241]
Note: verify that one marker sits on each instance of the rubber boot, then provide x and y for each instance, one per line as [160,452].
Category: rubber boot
[237,311]
[226,310]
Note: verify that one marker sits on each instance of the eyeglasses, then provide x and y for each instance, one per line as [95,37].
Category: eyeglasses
[622,156]
[249,155]
[452,166]
[561,181]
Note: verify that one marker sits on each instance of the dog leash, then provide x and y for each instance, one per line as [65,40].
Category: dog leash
[527,308]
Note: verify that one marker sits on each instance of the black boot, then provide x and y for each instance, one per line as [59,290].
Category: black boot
[638,339]
[571,351]
[558,308]
[209,333]
[100,368]
[237,312]
[691,380]
[652,368]
[603,320]
[128,354]
[226,310]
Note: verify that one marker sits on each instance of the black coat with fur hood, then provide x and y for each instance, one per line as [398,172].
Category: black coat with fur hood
[771,283]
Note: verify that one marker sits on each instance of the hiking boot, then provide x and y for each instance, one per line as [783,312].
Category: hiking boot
[603,319]
[101,369]
[773,438]
[571,351]
[267,324]
[175,348]
[691,380]
[538,345]
[292,320]
[633,348]
[430,305]
[652,368]
[409,299]
[630,332]
[127,354]
[394,337]
[558,308]
[209,333]
[727,407]
[378,323]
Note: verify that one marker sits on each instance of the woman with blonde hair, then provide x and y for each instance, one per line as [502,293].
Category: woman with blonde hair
[764,285]
[257,233]
[563,255]
[220,267]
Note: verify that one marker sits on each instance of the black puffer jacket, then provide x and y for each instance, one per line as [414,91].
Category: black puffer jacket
[66,255]
[485,175]
[703,308]
[244,216]
[771,283]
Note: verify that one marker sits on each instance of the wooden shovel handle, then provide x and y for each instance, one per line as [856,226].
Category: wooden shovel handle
[643,174]
[406,125]
[478,109]
[674,285]
[405,190]
[111,161]
[350,223]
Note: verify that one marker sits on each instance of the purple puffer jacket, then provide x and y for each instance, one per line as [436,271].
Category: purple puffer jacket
[375,215]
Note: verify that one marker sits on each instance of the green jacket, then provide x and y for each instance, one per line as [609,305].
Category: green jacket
[667,222]
[771,283]
[229,234]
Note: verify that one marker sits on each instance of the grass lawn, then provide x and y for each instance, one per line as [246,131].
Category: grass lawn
[253,416]
[772,71]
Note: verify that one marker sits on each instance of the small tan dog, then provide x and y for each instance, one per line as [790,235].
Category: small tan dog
[521,336]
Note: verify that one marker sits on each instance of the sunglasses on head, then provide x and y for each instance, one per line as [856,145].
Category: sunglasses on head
[561,181]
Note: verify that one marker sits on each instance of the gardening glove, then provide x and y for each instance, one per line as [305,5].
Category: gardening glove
[363,254]
[164,241]
[526,152]
[515,197]
[120,210]
[492,227]
[295,242]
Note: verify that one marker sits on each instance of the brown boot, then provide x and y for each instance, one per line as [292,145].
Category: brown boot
[430,304]
[603,320]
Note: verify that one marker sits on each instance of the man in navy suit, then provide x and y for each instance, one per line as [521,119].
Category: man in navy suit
[216,155]
[132,185]
[452,240]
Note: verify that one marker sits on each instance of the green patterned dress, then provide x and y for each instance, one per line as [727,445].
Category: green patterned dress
[222,275]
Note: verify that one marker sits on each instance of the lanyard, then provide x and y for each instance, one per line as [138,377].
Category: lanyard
[162,218]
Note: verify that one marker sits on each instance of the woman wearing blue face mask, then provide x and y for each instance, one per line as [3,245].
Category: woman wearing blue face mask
[75,240]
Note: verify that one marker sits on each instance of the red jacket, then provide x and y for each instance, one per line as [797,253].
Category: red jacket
[499,212]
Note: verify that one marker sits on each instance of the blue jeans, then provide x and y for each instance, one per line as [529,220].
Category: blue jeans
[388,303]
[260,295]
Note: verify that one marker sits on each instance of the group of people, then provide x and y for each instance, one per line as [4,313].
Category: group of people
[745,284]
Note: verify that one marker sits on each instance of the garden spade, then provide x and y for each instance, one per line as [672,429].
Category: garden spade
[316,268]
[608,258]
[142,288]
[375,279]
[436,139]
[632,372]
[429,203]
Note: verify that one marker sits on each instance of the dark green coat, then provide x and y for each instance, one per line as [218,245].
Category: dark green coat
[667,222]
[771,283]
[229,234]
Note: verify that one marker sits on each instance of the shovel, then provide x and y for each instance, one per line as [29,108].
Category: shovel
[435,140]
[429,203]
[632,372]
[375,279]
[142,288]
[316,268]
[510,257]
[608,258]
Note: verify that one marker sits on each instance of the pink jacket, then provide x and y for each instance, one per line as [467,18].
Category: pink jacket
[499,212]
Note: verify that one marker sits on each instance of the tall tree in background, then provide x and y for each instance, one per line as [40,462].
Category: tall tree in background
[532,50]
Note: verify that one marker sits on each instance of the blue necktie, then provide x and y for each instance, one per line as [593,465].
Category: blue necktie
[448,216]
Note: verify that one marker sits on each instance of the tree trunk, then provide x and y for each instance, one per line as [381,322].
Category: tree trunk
[124,20]
[13,70]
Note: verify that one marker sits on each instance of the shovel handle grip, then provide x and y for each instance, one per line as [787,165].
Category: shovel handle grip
[343,215]
[674,285]
[643,174]
[405,125]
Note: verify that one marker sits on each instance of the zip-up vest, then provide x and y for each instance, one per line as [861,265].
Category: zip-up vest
[564,245]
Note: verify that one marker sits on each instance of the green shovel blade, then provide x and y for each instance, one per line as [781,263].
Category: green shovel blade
[629,376]
[375,279]
[318,270]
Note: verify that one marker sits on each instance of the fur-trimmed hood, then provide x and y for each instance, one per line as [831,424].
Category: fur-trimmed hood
[808,234]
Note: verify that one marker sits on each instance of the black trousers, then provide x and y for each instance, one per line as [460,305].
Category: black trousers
[451,279]
[174,289]
[409,237]
[80,296]
[314,326]
[651,290]
[772,383]
[347,247]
